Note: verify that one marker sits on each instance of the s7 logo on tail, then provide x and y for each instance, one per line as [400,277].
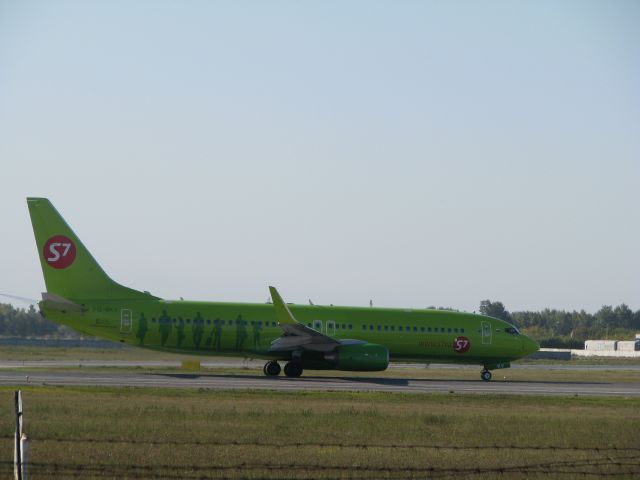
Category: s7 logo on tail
[59,251]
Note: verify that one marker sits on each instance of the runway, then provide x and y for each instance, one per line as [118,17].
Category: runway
[311,383]
[230,362]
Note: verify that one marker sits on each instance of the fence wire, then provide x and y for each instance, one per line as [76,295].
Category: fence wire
[606,461]
[363,446]
[600,467]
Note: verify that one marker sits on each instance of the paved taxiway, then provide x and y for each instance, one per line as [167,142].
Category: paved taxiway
[257,364]
[309,382]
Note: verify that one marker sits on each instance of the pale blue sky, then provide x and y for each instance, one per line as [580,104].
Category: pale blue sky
[413,153]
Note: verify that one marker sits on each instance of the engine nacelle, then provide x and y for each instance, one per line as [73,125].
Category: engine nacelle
[363,357]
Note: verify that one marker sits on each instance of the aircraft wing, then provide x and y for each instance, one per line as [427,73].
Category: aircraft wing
[297,335]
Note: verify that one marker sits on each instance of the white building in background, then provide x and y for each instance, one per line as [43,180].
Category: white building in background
[610,348]
[601,345]
[594,348]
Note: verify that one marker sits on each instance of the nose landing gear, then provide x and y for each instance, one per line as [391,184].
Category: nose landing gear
[485,375]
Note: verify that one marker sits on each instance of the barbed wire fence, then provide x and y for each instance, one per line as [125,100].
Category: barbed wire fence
[608,462]
[603,461]
[253,443]
[599,467]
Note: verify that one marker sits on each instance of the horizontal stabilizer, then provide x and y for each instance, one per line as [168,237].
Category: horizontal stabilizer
[54,302]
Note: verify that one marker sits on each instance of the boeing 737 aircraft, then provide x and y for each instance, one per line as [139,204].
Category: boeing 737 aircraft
[314,337]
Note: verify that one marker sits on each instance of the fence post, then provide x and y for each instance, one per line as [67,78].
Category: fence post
[24,452]
[17,457]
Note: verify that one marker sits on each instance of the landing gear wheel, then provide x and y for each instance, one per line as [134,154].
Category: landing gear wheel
[293,369]
[271,368]
[485,375]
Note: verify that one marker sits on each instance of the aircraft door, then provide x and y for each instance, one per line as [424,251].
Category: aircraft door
[331,327]
[486,333]
[125,321]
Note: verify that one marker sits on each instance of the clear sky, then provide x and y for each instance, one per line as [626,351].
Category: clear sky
[413,153]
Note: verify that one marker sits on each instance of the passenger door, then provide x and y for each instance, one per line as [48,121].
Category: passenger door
[486,333]
[331,327]
[126,322]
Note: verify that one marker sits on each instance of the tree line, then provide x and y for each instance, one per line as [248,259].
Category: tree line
[552,328]
[20,322]
[562,329]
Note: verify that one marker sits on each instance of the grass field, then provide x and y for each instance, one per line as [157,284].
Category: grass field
[156,433]
[164,433]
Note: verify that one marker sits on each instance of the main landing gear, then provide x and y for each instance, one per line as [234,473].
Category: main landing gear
[291,369]
[271,368]
[485,375]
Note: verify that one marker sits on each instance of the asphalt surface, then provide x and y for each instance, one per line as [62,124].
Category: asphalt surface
[311,383]
[257,364]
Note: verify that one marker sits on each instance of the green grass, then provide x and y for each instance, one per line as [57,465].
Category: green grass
[164,433]
[80,353]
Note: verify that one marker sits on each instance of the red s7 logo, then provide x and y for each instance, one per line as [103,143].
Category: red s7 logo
[59,252]
[461,344]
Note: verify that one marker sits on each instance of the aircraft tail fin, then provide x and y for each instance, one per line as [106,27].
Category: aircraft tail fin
[69,269]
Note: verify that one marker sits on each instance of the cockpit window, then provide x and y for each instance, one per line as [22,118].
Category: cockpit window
[512,330]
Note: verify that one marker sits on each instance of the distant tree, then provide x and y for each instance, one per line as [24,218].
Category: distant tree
[18,322]
[623,316]
[495,310]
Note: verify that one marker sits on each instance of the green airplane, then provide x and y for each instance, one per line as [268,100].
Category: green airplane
[315,337]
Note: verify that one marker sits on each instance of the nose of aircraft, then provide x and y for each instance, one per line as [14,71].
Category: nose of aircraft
[529,346]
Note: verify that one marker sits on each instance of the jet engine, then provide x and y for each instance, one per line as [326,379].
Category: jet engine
[363,357]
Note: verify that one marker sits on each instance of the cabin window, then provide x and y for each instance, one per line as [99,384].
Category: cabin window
[208,321]
[370,327]
[448,330]
[386,328]
[462,330]
[364,327]
[344,326]
[393,328]
[153,320]
[422,329]
[408,329]
[415,329]
[174,321]
[428,329]
[273,324]
[188,320]
[350,326]
[400,328]
[259,323]
[379,327]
